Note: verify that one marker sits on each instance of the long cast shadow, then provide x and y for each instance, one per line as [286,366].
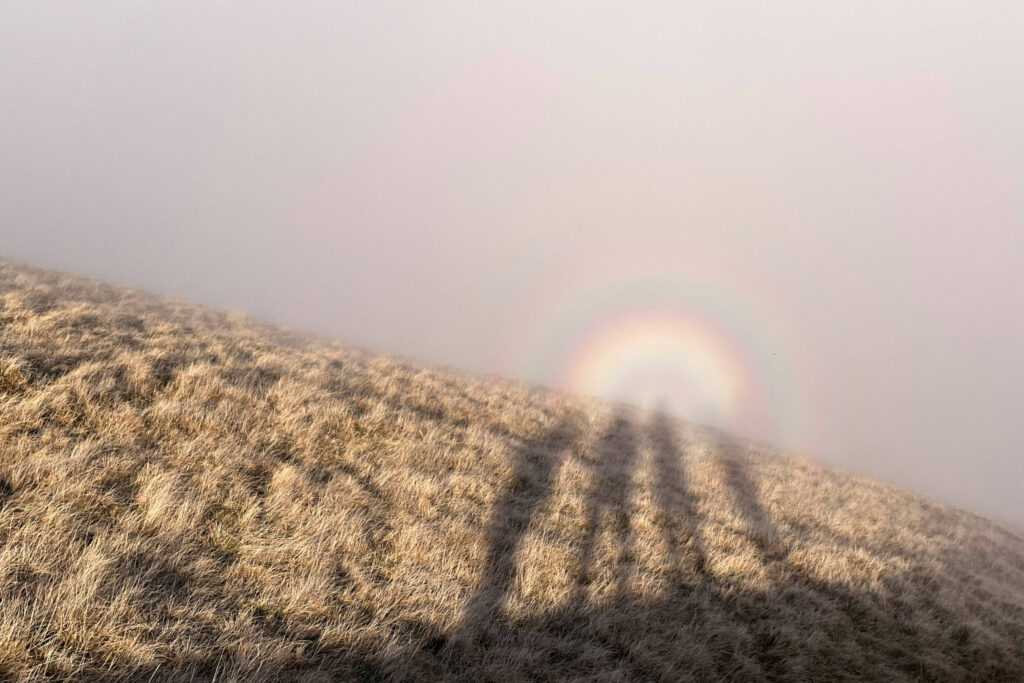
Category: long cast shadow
[535,465]
[763,532]
[675,501]
[612,471]
[703,626]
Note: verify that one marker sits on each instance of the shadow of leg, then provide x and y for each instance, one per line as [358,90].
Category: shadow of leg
[737,466]
[679,523]
[535,465]
[608,502]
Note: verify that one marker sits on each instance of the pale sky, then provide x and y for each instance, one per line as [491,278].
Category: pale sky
[800,221]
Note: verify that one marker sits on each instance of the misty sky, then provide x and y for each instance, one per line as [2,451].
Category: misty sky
[801,221]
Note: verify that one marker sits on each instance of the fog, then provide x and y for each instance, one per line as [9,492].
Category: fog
[802,222]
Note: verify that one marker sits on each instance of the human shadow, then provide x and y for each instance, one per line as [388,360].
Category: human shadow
[687,615]
[701,624]
[534,466]
[608,498]
[685,551]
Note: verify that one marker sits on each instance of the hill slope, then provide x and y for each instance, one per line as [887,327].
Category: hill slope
[186,494]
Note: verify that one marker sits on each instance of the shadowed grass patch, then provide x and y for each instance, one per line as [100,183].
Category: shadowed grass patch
[192,495]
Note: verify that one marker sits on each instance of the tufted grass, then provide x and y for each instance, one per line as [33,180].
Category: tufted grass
[187,494]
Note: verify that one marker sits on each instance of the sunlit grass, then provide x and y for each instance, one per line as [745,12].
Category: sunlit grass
[191,494]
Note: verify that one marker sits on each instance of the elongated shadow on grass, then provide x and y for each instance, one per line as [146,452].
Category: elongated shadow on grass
[602,614]
[698,624]
[676,505]
[612,472]
[534,464]
[701,625]
[762,530]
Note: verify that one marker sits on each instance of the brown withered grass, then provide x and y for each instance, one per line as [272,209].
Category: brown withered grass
[191,495]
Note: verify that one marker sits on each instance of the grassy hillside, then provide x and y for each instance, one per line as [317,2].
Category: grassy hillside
[186,494]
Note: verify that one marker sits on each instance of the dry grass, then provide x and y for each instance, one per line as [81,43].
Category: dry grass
[186,494]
